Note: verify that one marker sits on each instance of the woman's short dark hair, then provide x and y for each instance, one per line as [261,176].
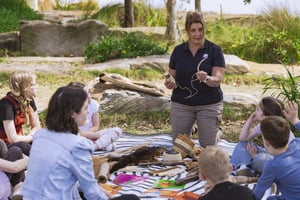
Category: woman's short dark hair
[63,103]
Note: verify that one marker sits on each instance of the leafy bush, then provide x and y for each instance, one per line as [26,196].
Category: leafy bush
[12,11]
[129,45]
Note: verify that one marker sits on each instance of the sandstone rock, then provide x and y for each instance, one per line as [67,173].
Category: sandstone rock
[10,41]
[52,39]
[235,65]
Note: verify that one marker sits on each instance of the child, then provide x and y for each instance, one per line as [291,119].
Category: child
[91,128]
[215,168]
[12,165]
[18,108]
[247,152]
[284,168]
[60,160]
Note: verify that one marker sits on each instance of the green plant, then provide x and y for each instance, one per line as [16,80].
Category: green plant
[286,88]
[12,11]
[270,38]
[144,15]
[88,7]
[129,45]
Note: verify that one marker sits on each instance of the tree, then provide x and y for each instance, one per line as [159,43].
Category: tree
[172,32]
[198,5]
[247,1]
[128,15]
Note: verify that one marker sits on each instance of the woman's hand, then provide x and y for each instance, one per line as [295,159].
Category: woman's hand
[202,76]
[170,82]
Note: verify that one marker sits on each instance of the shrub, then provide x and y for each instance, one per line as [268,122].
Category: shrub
[129,45]
[12,11]
[273,39]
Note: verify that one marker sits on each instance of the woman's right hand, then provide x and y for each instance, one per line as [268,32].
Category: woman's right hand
[170,83]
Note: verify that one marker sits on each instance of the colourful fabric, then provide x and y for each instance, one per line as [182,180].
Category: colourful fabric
[57,163]
[284,171]
[129,140]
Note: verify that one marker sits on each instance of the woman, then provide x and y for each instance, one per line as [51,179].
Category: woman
[18,108]
[65,156]
[197,67]
[246,151]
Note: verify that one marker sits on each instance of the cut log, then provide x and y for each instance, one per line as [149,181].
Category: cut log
[123,82]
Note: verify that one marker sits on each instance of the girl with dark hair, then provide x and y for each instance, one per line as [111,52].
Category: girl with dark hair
[61,160]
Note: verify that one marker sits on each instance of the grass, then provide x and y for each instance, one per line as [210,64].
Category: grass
[136,123]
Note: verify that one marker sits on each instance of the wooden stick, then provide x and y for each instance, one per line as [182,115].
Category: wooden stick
[162,163]
[104,172]
[186,179]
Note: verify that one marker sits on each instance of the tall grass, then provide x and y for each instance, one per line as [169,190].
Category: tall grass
[12,11]
[275,37]
[144,15]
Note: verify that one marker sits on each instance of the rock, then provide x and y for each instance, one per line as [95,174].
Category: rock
[241,100]
[126,101]
[10,41]
[235,65]
[53,39]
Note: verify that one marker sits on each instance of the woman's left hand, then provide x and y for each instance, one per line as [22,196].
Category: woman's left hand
[201,76]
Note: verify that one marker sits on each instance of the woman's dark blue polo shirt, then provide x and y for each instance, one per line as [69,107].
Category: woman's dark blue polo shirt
[185,65]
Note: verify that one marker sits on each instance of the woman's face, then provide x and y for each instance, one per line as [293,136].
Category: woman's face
[32,91]
[80,118]
[196,34]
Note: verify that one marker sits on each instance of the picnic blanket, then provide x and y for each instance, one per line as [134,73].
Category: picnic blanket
[141,188]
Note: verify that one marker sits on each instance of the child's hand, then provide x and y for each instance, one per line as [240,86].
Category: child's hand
[251,149]
[291,112]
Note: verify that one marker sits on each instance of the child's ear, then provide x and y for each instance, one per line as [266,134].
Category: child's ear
[202,176]
[230,168]
[266,143]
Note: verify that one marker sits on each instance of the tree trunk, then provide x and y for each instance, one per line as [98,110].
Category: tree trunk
[172,32]
[128,18]
[198,6]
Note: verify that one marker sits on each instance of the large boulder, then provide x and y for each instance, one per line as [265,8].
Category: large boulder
[43,38]
[235,65]
[10,41]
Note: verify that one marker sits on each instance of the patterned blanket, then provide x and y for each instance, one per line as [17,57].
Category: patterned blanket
[140,188]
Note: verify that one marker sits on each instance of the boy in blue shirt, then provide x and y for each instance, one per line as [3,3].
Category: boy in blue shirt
[284,169]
